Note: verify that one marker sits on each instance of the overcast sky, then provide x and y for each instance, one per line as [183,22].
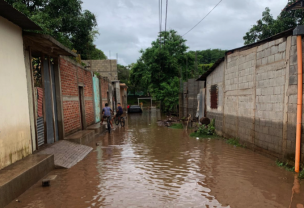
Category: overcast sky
[126,26]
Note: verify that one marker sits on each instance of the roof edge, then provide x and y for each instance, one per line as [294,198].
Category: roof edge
[209,71]
[286,33]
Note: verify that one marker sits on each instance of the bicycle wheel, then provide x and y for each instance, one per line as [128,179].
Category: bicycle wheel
[109,125]
[116,121]
[122,121]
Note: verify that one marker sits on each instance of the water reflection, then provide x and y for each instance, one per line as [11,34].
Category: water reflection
[144,165]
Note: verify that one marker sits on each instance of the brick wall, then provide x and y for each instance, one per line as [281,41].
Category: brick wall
[74,75]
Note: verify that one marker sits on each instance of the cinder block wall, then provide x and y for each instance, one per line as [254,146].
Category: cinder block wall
[74,75]
[106,68]
[216,78]
[259,96]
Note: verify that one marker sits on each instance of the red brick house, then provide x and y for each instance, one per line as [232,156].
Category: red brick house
[77,96]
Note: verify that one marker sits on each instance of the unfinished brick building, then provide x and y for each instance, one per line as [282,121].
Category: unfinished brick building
[77,96]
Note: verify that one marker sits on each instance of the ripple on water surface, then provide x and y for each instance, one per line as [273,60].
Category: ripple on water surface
[144,165]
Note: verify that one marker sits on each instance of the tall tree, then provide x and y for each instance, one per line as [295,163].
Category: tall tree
[64,20]
[267,26]
[159,67]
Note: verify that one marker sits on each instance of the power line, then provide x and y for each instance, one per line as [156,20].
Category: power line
[166,15]
[202,19]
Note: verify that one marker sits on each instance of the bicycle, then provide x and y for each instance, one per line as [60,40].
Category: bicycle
[120,120]
[109,124]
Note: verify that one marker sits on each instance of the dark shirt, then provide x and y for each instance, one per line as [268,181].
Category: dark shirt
[120,109]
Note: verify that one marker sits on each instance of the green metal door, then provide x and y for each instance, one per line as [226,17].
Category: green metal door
[96,98]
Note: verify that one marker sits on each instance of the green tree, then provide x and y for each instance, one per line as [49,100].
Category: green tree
[65,21]
[123,74]
[160,66]
[267,26]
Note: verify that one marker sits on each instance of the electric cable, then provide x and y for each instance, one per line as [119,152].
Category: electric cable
[203,18]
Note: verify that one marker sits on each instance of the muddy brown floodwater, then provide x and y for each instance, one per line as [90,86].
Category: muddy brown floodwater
[144,165]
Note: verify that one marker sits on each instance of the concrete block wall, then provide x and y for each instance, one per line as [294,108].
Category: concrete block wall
[216,78]
[292,102]
[270,94]
[72,76]
[106,68]
[260,96]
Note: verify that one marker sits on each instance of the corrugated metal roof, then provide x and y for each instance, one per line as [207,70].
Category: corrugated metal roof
[16,17]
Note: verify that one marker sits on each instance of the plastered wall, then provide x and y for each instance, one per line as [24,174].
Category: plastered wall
[15,133]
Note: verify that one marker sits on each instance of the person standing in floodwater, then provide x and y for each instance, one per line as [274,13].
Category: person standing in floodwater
[107,112]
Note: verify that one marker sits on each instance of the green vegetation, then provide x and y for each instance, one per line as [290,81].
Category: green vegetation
[177,126]
[203,136]
[287,167]
[159,68]
[123,73]
[267,26]
[301,174]
[234,142]
[66,21]
[205,131]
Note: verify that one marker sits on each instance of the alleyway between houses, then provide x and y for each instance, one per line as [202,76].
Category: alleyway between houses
[144,165]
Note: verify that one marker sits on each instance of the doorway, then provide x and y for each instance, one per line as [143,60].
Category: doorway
[82,108]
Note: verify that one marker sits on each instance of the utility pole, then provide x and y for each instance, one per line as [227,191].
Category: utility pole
[196,70]
[117,57]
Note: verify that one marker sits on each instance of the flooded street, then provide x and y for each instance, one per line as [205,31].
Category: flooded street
[144,165]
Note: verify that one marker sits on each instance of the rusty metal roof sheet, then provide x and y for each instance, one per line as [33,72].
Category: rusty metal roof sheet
[16,17]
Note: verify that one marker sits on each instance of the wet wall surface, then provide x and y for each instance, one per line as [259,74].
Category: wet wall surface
[144,165]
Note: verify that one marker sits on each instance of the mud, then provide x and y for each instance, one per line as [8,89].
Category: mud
[145,165]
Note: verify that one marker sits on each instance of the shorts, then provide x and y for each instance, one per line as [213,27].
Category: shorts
[107,116]
[119,114]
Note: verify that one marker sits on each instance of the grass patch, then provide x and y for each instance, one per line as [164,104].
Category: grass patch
[203,136]
[177,126]
[287,167]
[234,142]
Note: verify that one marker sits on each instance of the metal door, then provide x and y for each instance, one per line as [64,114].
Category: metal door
[40,120]
[50,103]
[54,101]
[96,98]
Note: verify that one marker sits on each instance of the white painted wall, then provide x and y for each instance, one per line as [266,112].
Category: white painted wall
[15,134]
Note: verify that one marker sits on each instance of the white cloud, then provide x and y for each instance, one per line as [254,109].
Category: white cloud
[126,26]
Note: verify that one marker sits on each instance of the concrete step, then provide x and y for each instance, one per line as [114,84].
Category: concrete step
[81,137]
[98,128]
[67,154]
[20,176]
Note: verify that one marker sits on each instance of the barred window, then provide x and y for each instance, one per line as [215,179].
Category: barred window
[213,96]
